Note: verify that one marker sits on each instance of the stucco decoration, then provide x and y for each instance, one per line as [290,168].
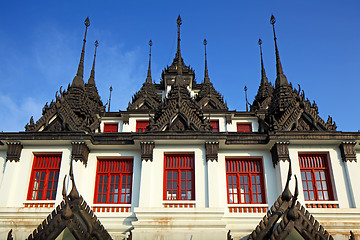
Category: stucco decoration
[292,216]
[212,149]
[80,152]
[74,214]
[13,151]
[147,150]
[348,152]
[280,152]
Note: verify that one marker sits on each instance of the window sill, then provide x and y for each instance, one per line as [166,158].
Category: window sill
[39,203]
[322,204]
[179,204]
[248,208]
[107,207]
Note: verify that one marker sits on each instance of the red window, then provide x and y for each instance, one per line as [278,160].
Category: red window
[245,183]
[315,177]
[215,125]
[110,127]
[44,177]
[141,125]
[179,177]
[113,181]
[244,127]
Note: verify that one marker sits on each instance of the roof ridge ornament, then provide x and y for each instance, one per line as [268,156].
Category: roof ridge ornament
[206,74]
[280,76]
[91,80]
[148,78]
[78,79]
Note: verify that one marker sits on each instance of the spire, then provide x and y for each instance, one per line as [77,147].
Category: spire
[178,52]
[148,78]
[264,79]
[78,79]
[91,80]
[280,77]
[206,74]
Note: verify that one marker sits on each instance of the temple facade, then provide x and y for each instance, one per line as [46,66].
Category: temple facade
[179,164]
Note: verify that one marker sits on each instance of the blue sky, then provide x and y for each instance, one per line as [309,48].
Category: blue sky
[41,43]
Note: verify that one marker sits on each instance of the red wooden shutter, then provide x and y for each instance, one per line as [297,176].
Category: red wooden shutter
[110,127]
[244,127]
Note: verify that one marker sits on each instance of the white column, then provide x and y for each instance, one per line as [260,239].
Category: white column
[146,182]
[353,177]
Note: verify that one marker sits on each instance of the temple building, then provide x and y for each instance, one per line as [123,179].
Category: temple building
[179,164]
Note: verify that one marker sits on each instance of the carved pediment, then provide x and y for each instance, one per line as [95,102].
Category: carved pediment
[146,98]
[288,215]
[179,112]
[209,98]
[73,110]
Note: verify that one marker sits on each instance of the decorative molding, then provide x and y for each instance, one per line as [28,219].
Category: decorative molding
[147,150]
[348,152]
[280,152]
[212,149]
[80,151]
[13,151]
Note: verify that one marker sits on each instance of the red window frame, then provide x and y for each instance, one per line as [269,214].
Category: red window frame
[113,181]
[215,125]
[244,127]
[179,177]
[141,125]
[110,127]
[245,181]
[315,176]
[44,177]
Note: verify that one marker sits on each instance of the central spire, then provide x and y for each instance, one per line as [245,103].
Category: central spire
[280,77]
[178,52]
[78,80]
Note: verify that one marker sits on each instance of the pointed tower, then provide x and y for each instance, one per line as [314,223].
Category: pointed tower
[206,73]
[91,80]
[78,80]
[264,94]
[148,78]
[281,79]
[208,97]
[147,98]
[178,72]
[90,87]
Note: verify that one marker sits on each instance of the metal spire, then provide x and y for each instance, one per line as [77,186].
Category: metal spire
[91,80]
[178,52]
[264,79]
[206,74]
[110,98]
[246,99]
[78,79]
[280,77]
[148,78]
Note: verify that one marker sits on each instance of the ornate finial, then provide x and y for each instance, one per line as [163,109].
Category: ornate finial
[280,77]
[110,98]
[246,99]
[148,78]
[92,74]
[78,79]
[178,52]
[178,21]
[263,74]
[206,74]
